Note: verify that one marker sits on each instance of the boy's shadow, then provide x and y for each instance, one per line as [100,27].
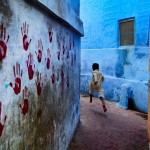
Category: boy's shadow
[98,113]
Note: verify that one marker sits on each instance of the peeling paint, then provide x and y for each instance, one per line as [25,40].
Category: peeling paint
[6,12]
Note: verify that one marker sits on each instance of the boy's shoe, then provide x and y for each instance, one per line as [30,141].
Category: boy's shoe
[90,101]
[90,98]
[104,108]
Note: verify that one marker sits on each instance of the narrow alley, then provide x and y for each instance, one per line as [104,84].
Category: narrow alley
[47,52]
[117,129]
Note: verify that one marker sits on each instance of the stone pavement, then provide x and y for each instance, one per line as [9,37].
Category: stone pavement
[117,129]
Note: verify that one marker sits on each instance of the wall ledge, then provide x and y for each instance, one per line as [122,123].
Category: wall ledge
[117,48]
[115,78]
[61,12]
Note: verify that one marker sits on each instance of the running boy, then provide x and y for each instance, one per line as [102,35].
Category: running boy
[96,85]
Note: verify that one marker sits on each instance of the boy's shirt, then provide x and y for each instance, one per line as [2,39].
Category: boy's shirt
[96,83]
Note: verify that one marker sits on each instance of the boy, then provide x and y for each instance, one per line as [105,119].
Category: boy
[96,85]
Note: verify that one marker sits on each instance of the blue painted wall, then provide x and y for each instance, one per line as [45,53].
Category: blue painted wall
[119,64]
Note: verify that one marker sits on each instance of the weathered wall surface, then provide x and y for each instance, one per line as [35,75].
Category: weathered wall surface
[39,71]
[120,65]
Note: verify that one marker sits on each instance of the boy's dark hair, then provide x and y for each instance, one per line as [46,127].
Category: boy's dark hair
[95,66]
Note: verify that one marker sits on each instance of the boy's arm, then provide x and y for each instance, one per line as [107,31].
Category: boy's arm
[95,78]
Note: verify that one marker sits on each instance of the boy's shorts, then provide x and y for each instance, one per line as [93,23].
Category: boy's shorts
[100,93]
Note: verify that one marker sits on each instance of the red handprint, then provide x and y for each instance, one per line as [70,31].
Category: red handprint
[71,42]
[58,55]
[50,34]
[24,108]
[68,54]
[24,31]
[2,125]
[38,83]
[53,75]
[3,43]
[29,63]
[57,74]
[48,59]
[75,57]
[62,79]
[40,49]
[17,75]
[45,77]
[71,59]
[63,49]
[67,82]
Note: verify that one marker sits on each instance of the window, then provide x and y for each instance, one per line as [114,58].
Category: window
[126,28]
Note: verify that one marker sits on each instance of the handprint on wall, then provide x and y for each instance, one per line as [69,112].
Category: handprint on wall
[24,108]
[75,57]
[48,59]
[72,60]
[3,43]
[67,82]
[62,79]
[68,55]
[29,63]
[63,48]
[45,77]
[2,125]
[40,49]
[50,32]
[57,74]
[58,55]
[18,75]
[38,83]
[71,42]
[53,75]
[24,31]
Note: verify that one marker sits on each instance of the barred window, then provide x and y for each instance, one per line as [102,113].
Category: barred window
[126,28]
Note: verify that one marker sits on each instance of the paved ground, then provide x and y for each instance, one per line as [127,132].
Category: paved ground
[117,129]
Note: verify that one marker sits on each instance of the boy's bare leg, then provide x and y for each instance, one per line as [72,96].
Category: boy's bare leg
[90,98]
[103,103]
